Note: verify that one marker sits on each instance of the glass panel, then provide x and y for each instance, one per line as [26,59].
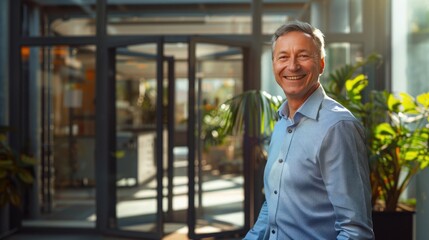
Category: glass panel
[268,82]
[179,17]
[61,83]
[219,198]
[410,44]
[276,13]
[270,23]
[347,17]
[136,107]
[338,54]
[58,18]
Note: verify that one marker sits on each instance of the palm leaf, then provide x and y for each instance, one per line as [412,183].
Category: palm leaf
[254,112]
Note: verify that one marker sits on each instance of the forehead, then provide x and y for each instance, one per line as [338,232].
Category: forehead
[295,41]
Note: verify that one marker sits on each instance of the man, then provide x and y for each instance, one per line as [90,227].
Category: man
[316,179]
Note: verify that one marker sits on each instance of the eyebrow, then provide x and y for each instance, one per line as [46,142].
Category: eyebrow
[298,52]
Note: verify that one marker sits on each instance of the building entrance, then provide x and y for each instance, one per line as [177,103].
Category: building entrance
[169,172]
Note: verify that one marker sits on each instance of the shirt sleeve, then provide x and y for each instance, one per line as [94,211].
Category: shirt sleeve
[345,170]
[258,230]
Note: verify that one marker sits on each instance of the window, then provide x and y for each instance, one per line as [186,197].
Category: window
[410,45]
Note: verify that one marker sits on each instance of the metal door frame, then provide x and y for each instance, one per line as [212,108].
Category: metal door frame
[191,217]
[107,202]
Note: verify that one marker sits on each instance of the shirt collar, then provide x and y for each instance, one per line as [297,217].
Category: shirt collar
[310,108]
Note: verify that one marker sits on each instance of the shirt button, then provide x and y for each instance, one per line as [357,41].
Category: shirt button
[280,160]
[275,192]
[273,231]
[289,130]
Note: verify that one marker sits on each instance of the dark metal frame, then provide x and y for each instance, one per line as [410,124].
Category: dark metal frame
[111,227]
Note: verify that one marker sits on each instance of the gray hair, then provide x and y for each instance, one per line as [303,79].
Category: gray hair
[297,26]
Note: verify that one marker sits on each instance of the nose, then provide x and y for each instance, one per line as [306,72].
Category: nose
[293,64]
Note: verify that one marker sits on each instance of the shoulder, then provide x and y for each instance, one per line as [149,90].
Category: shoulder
[333,111]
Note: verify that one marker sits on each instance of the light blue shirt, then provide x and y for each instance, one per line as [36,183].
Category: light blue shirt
[316,179]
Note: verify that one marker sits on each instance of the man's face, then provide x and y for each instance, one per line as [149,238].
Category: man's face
[297,64]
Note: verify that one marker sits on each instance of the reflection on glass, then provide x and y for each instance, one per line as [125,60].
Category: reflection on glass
[61,82]
[58,18]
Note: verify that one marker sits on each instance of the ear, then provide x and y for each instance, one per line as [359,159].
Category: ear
[322,65]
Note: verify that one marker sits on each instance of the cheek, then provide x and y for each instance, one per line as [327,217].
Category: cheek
[277,68]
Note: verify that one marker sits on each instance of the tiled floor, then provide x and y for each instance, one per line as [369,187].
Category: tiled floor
[87,236]
[222,202]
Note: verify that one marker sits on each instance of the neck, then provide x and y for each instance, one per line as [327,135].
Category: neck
[295,103]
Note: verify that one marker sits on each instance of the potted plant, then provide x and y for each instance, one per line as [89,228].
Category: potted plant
[13,175]
[253,114]
[397,140]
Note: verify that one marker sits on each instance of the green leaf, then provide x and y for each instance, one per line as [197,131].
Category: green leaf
[393,103]
[14,198]
[28,160]
[119,154]
[25,176]
[384,132]
[6,164]
[355,86]
[411,155]
[423,99]
[408,103]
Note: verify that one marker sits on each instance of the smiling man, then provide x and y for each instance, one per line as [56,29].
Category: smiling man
[316,178]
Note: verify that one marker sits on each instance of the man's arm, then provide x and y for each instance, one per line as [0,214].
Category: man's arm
[345,170]
[258,230]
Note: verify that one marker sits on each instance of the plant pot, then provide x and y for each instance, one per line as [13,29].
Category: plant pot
[393,225]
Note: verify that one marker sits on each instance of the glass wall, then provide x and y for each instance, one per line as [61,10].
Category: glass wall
[346,16]
[410,61]
[61,82]
[410,42]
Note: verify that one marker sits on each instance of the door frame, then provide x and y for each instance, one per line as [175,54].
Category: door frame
[192,71]
[107,202]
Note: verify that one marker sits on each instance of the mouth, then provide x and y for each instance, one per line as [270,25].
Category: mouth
[294,77]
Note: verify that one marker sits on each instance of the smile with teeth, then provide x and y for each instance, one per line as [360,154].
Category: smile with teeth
[294,77]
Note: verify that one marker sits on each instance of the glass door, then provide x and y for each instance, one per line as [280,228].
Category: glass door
[140,138]
[216,177]
[174,175]
[59,83]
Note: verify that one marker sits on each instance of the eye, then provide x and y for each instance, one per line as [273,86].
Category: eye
[282,57]
[303,56]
